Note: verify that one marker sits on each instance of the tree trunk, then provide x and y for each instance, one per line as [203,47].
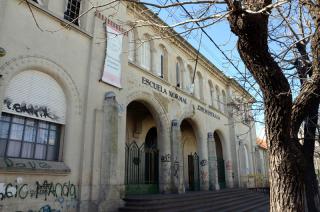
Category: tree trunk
[311,182]
[285,153]
[286,161]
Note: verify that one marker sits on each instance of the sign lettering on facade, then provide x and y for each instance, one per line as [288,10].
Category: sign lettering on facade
[163,90]
[176,96]
[209,113]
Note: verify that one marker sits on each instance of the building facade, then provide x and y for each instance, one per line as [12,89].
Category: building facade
[76,137]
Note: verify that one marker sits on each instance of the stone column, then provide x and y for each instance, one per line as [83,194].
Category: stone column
[165,160]
[109,187]
[203,166]
[176,159]
[213,165]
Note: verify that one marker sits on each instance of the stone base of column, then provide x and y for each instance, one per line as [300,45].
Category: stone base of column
[217,187]
[112,200]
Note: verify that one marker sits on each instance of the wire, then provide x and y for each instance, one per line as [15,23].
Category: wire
[217,46]
[195,66]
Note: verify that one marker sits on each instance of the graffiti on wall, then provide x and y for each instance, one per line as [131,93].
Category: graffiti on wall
[165,158]
[30,109]
[203,177]
[176,169]
[203,162]
[229,165]
[32,164]
[45,208]
[38,190]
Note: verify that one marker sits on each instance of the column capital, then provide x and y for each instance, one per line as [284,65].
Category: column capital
[174,123]
[110,96]
[210,136]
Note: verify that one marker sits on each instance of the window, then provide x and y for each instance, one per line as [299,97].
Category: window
[200,86]
[224,102]
[218,97]
[72,12]
[211,90]
[23,137]
[146,53]
[131,46]
[191,83]
[161,66]
[178,74]
[33,112]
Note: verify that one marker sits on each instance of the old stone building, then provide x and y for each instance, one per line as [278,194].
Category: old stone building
[94,109]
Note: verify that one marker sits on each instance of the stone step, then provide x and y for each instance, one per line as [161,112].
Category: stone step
[226,205]
[194,198]
[225,200]
[152,197]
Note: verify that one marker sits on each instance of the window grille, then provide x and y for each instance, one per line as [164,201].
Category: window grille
[177,74]
[161,66]
[73,11]
[22,137]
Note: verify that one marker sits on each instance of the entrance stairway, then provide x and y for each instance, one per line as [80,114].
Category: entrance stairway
[226,200]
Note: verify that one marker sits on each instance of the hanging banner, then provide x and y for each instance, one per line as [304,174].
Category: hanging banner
[112,64]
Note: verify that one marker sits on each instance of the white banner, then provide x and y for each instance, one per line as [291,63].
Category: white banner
[112,64]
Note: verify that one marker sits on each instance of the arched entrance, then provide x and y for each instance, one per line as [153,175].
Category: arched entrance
[220,161]
[142,154]
[151,157]
[190,156]
[244,165]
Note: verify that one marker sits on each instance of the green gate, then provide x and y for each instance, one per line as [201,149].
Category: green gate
[142,169]
[221,173]
[193,172]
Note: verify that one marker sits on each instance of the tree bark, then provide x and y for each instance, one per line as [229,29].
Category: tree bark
[286,158]
[311,182]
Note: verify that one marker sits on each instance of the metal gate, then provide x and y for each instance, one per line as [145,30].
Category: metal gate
[142,169]
[193,172]
[221,173]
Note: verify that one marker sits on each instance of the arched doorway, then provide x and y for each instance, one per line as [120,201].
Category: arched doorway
[190,156]
[142,154]
[151,157]
[244,161]
[220,161]
[244,165]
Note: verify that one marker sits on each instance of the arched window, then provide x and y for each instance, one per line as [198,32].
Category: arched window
[145,53]
[224,101]
[32,116]
[244,161]
[190,83]
[179,71]
[163,58]
[211,92]
[218,97]
[131,46]
[178,74]
[200,86]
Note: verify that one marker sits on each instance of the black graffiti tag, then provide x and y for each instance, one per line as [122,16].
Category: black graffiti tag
[34,110]
[203,162]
